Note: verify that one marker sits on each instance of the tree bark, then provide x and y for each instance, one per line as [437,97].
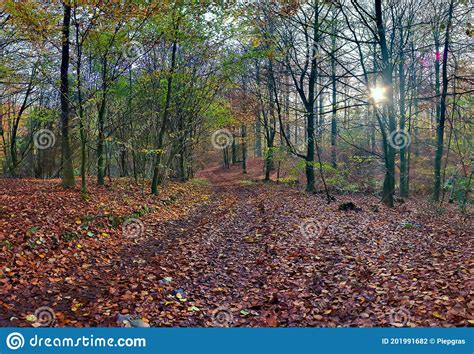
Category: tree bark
[82,131]
[334,98]
[244,149]
[442,116]
[401,78]
[101,126]
[66,156]
[161,134]
[389,150]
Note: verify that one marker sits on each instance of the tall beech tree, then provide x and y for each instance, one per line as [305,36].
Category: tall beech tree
[442,109]
[68,179]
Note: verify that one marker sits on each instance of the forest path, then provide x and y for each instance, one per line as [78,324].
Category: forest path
[218,252]
[233,251]
[261,254]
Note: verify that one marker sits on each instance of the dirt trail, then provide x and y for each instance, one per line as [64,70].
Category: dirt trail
[217,257]
[266,255]
[247,254]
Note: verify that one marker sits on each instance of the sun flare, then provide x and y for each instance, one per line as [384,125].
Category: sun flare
[377,94]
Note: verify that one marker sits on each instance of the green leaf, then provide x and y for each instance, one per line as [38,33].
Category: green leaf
[244,312]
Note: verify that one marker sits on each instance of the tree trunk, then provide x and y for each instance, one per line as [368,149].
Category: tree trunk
[101,126]
[389,149]
[442,117]
[270,122]
[66,156]
[16,123]
[401,78]
[161,135]
[244,149]
[334,97]
[182,150]
[309,169]
[310,108]
[258,137]
[437,67]
[234,150]
[82,131]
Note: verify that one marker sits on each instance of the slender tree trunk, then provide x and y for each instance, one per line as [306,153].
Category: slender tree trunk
[258,124]
[161,134]
[374,110]
[225,152]
[244,149]
[16,123]
[412,116]
[182,152]
[134,157]
[287,107]
[401,76]
[270,122]
[320,113]
[269,155]
[309,170]
[234,150]
[442,117]
[258,137]
[389,149]
[310,108]
[437,69]
[101,163]
[82,131]
[416,81]
[66,156]
[334,98]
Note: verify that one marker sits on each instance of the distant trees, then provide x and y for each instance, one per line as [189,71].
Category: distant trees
[325,84]
[304,41]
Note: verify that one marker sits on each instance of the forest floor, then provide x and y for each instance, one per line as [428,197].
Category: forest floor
[224,250]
